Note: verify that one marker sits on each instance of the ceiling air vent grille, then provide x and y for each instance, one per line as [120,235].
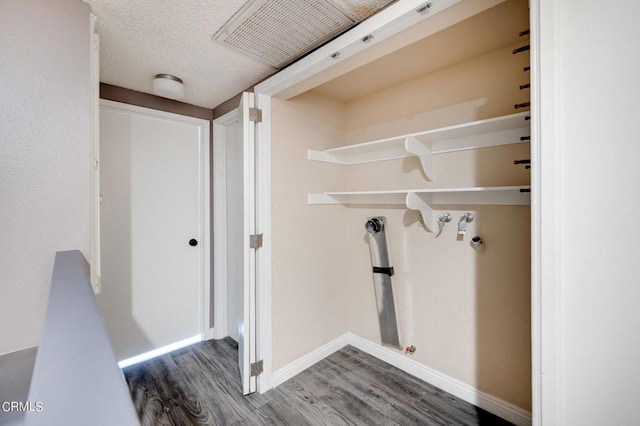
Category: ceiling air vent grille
[277,32]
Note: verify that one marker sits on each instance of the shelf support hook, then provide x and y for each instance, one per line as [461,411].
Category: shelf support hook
[422,203]
[423,152]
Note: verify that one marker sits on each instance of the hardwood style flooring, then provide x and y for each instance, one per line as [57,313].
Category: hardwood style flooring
[200,385]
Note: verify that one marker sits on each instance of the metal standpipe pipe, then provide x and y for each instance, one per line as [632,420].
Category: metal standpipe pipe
[382,273]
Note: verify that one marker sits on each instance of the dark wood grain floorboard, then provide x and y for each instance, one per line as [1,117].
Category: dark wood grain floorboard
[419,400]
[200,385]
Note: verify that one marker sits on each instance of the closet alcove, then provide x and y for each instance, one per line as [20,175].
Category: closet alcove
[432,127]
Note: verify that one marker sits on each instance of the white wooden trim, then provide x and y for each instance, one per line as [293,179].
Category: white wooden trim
[209,334]
[547,319]
[94,158]
[205,200]
[263,261]
[220,328]
[205,223]
[536,225]
[298,366]
[148,112]
[397,359]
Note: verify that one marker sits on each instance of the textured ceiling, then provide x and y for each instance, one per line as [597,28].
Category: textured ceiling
[142,38]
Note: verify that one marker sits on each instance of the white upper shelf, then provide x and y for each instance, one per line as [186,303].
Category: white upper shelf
[423,200]
[508,129]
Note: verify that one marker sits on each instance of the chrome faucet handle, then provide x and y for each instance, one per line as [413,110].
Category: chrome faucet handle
[462,223]
[443,219]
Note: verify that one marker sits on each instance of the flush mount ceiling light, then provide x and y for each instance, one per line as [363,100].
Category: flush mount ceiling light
[168,86]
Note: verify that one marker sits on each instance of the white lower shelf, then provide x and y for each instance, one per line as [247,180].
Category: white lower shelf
[423,200]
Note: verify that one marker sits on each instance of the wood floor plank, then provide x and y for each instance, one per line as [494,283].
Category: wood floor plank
[339,390]
[200,385]
[279,413]
[421,398]
[314,410]
[342,379]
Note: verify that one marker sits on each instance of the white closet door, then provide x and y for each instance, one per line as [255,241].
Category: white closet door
[152,224]
[247,293]
[234,223]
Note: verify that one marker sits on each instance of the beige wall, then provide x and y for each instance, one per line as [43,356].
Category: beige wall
[467,311]
[44,154]
[482,87]
[309,243]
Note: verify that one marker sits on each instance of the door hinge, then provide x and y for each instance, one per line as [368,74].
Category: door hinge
[257,368]
[255,241]
[255,114]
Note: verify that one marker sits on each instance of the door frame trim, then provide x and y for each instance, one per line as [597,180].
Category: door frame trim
[204,210]
[220,326]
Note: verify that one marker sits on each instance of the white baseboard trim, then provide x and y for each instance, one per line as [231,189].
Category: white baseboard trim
[208,334]
[462,390]
[447,383]
[298,366]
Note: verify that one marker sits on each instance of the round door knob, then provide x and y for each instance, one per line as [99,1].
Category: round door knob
[193,242]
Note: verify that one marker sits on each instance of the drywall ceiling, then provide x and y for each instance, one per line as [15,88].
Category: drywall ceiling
[493,29]
[142,38]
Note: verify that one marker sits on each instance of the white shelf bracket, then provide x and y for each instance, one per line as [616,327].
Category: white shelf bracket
[422,203]
[315,155]
[423,152]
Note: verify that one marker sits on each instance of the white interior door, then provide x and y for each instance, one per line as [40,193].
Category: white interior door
[234,208]
[154,217]
[234,223]
[247,293]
